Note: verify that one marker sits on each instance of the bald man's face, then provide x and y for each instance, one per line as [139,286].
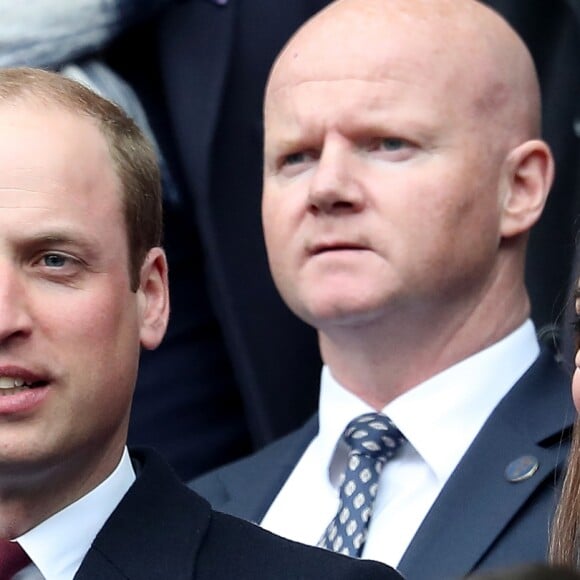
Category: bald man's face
[382,180]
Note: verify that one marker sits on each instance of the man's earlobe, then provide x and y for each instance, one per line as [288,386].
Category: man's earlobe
[529,172]
[153,296]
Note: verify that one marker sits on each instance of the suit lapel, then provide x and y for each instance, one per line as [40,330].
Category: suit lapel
[527,422]
[249,497]
[156,531]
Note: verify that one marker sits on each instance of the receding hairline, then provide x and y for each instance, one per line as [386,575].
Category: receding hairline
[48,96]
[30,85]
[133,158]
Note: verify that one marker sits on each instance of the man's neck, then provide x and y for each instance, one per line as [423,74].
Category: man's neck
[29,496]
[381,360]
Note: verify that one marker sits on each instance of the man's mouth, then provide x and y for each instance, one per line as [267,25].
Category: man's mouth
[12,385]
[335,247]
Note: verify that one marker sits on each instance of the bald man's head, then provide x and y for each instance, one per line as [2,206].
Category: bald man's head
[483,64]
[405,132]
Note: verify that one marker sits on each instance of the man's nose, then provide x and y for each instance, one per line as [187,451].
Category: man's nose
[334,188]
[15,319]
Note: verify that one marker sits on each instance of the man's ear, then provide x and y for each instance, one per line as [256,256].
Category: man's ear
[153,298]
[529,172]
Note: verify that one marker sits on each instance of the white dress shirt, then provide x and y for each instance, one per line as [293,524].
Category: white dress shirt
[58,545]
[440,419]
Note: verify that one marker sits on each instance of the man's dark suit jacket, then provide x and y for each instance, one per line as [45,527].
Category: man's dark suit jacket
[163,531]
[481,519]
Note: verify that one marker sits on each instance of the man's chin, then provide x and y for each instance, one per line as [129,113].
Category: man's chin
[346,316]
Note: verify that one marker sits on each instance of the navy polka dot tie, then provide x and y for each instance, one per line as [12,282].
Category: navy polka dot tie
[373,440]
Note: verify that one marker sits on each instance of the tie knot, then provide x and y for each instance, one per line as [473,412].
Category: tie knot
[374,435]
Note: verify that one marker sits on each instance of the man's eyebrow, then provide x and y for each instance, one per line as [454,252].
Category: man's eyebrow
[55,236]
[76,239]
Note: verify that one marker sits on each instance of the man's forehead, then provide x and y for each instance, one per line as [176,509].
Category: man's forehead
[391,80]
[28,125]
[460,51]
[53,161]
[351,97]
[369,55]
[351,68]
[23,197]
[374,33]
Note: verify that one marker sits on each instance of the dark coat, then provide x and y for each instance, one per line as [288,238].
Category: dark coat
[161,530]
[481,519]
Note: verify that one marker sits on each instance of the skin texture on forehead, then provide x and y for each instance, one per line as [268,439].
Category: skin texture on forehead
[471,50]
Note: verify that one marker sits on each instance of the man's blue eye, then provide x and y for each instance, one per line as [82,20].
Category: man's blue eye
[54,260]
[392,144]
[294,158]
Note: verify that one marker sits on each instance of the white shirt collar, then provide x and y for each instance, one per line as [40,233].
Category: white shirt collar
[58,545]
[452,406]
